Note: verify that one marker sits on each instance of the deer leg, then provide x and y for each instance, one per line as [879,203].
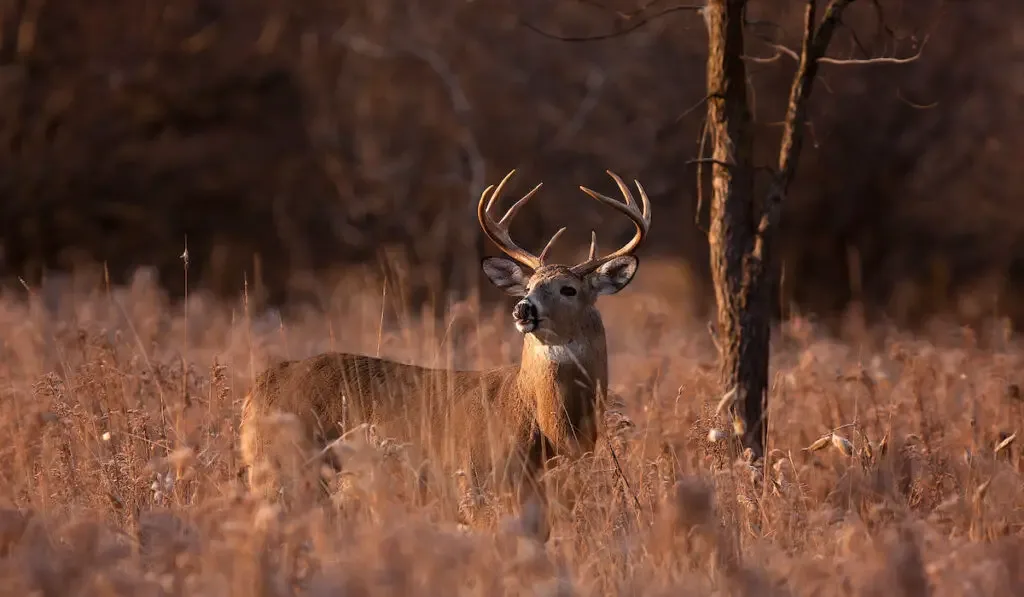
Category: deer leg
[282,467]
[524,473]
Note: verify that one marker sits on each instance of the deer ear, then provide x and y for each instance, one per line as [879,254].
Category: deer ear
[614,275]
[506,275]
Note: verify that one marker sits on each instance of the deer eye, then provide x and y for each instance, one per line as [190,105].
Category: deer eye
[568,291]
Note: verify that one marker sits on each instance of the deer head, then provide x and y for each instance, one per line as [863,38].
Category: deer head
[557,306]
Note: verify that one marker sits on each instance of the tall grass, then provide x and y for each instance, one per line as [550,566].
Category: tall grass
[119,473]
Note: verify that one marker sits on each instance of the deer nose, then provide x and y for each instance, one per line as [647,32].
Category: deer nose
[524,311]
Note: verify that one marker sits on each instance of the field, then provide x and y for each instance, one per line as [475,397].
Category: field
[120,475]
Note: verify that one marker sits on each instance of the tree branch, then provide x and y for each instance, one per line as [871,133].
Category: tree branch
[783,50]
[456,95]
[780,50]
[700,103]
[618,13]
[725,164]
[701,161]
[882,24]
[621,32]
[915,105]
[831,22]
[875,60]
[856,41]
[815,44]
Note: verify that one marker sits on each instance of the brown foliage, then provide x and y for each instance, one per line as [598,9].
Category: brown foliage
[120,470]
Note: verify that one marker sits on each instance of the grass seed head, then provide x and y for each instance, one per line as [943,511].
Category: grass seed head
[842,444]
[981,491]
[1005,443]
[819,444]
[716,435]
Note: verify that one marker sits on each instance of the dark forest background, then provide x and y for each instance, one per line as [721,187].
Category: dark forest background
[285,137]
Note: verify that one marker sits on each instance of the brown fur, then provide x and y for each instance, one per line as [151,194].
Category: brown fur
[510,419]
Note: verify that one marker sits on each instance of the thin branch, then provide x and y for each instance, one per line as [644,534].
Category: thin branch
[621,32]
[882,23]
[815,44]
[704,134]
[701,161]
[856,41]
[899,95]
[700,103]
[595,4]
[812,54]
[828,25]
[618,13]
[771,41]
[457,96]
[877,59]
[781,49]
[724,164]
[595,83]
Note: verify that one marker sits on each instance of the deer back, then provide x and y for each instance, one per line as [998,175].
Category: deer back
[459,417]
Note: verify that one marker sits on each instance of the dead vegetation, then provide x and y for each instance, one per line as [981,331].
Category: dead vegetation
[283,138]
[894,464]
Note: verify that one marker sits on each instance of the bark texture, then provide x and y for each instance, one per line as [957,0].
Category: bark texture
[742,231]
[742,318]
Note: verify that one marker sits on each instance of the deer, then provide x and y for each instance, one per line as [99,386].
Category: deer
[510,419]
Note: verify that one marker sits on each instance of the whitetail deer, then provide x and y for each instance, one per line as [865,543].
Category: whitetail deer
[512,417]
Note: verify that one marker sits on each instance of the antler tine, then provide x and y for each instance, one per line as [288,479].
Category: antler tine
[498,231]
[547,248]
[497,191]
[512,211]
[641,217]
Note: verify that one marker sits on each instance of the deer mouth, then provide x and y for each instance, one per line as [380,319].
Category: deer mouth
[527,325]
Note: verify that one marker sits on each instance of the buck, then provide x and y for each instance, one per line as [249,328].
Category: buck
[509,419]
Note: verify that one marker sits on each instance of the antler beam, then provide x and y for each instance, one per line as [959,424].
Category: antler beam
[640,215]
[498,231]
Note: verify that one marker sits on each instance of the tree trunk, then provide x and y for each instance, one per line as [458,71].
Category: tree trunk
[741,293]
[742,230]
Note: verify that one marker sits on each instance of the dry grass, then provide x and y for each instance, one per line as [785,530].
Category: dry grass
[119,474]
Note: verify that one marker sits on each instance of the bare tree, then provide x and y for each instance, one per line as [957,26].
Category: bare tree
[745,217]
[744,222]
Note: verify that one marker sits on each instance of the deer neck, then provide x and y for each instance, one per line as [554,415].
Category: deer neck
[566,382]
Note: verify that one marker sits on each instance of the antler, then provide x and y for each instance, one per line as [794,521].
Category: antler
[498,231]
[641,216]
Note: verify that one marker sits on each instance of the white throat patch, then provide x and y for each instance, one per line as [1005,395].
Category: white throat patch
[570,352]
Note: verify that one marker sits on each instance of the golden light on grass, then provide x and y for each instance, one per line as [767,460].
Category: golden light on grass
[113,484]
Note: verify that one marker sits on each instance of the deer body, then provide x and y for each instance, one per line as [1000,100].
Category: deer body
[510,419]
[447,413]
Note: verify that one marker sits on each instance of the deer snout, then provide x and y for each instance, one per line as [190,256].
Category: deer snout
[526,316]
